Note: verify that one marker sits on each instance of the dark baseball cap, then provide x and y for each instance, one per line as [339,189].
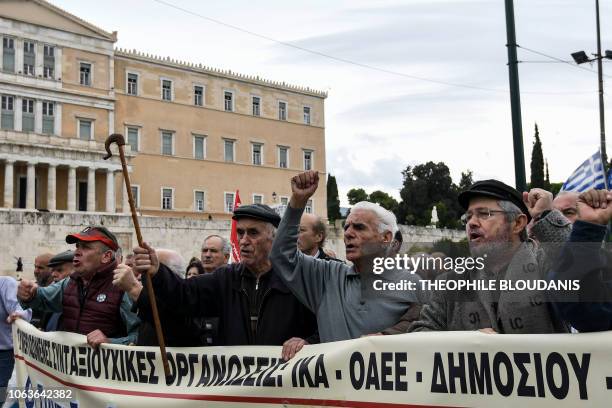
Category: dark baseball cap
[260,212]
[61,258]
[493,189]
[96,233]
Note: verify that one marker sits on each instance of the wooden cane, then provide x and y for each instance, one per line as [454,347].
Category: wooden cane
[120,141]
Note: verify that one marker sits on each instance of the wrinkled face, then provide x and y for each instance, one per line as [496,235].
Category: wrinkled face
[212,254]
[41,271]
[308,240]
[486,235]
[191,272]
[566,203]
[89,257]
[361,236]
[62,271]
[255,240]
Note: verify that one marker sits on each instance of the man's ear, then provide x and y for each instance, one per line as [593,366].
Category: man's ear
[520,223]
[107,257]
[387,237]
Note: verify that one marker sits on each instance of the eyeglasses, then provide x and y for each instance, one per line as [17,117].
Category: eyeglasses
[481,214]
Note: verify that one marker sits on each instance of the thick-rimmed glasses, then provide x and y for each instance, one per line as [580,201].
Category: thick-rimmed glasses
[480,214]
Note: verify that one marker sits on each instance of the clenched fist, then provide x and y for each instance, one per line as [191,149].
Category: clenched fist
[303,186]
[537,201]
[595,206]
[145,260]
[26,290]
[124,279]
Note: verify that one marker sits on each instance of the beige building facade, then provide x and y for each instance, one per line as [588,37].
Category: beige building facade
[195,134]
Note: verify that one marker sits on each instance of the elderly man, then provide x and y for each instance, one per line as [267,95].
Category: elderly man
[566,202]
[495,223]
[42,273]
[343,297]
[254,307]
[215,252]
[89,302]
[61,265]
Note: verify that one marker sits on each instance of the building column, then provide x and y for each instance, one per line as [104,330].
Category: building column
[31,186]
[57,120]
[38,116]
[57,74]
[126,201]
[8,184]
[18,55]
[72,188]
[91,189]
[51,187]
[17,114]
[39,60]
[110,191]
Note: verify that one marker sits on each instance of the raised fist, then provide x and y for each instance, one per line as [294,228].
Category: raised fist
[595,206]
[537,201]
[303,186]
[26,290]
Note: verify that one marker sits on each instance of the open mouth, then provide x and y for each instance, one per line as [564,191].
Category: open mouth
[475,236]
[350,247]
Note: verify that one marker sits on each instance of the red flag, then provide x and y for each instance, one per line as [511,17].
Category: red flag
[234,234]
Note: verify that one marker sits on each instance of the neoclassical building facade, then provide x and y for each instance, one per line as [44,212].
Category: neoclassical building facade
[195,134]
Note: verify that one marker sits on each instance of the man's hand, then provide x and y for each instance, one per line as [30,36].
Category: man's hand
[124,279]
[303,186]
[145,259]
[595,206]
[96,337]
[291,347]
[14,316]
[26,290]
[537,201]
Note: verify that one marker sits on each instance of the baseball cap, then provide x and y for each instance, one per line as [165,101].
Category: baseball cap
[95,233]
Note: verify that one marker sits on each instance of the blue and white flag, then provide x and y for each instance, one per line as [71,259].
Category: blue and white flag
[589,174]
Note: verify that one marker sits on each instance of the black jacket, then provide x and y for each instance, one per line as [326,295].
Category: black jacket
[220,294]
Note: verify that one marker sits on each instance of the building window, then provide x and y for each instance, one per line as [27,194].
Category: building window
[198,202]
[85,129]
[8,54]
[307,115]
[257,199]
[8,112]
[283,157]
[198,95]
[85,74]
[132,84]
[136,195]
[307,160]
[48,117]
[256,102]
[167,143]
[166,90]
[167,198]
[257,153]
[229,101]
[228,150]
[282,110]
[132,139]
[229,202]
[199,147]
[308,208]
[29,58]
[27,117]
[48,61]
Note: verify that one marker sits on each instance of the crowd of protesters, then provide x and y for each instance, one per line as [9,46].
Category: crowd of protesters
[289,290]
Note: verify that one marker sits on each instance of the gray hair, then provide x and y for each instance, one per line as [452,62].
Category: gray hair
[512,211]
[386,219]
[225,244]
[173,260]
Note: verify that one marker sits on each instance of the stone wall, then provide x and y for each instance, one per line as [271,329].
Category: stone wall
[29,233]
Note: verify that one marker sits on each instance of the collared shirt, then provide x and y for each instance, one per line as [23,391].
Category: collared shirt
[8,305]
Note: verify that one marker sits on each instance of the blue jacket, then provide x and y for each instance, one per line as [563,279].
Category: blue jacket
[584,260]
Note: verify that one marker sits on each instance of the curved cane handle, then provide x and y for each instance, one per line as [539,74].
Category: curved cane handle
[114,138]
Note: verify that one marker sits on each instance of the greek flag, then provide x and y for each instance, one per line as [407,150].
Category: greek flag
[589,174]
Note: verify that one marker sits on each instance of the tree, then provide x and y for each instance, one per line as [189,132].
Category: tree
[356,195]
[333,202]
[384,199]
[466,180]
[537,162]
[547,179]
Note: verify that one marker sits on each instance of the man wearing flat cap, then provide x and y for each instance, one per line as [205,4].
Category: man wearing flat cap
[495,223]
[87,299]
[253,306]
[61,265]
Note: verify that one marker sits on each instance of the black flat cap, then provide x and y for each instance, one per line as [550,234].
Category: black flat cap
[493,189]
[260,212]
[61,258]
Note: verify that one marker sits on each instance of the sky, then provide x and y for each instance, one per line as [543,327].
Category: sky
[390,70]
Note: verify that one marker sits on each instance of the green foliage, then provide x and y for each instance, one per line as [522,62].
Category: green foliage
[356,195]
[537,162]
[555,188]
[384,199]
[333,202]
[452,249]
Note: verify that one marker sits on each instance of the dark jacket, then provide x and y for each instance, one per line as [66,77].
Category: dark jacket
[590,308]
[221,294]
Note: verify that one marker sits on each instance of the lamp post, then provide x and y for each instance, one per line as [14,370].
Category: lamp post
[581,57]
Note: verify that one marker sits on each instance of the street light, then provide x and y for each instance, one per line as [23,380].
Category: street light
[581,57]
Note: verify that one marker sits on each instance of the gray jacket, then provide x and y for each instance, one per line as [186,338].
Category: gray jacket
[344,301]
[506,312]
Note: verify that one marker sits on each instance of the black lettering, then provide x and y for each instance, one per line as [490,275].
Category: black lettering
[142,368]
[499,359]
[480,378]
[438,378]
[523,390]
[268,380]
[181,367]
[559,392]
[386,370]
[456,372]
[233,362]
[537,361]
[96,363]
[356,369]
[582,371]
[372,376]
[320,377]
[153,379]
[247,379]
[264,362]
[82,361]
[131,374]
[400,371]
[218,369]
[516,323]
[74,367]
[304,373]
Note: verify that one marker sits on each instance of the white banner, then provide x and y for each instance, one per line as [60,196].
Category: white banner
[442,369]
